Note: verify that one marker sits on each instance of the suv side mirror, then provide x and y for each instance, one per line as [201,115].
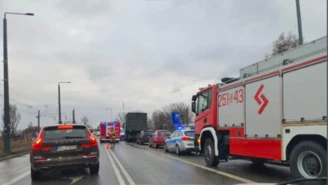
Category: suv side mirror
[193,107]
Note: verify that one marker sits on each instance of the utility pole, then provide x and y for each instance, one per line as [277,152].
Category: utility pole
[6,147]
[59,107]
[6,114]
[73,114]
[38,116]
[299,22]
[327,84]
[59,102]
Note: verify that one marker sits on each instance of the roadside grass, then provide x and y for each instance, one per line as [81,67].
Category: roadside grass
[17,147]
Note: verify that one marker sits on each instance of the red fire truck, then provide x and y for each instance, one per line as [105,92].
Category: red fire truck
[104,128]
[275,111]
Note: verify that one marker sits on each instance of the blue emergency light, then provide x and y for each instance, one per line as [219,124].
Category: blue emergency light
[179,128]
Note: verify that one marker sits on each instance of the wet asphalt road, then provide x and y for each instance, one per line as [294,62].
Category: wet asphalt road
[135,164]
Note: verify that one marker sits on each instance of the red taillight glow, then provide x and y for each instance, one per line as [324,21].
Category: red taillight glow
[185,138]
[65,127]
[37,144]
[41,160]
[92,140]
[46,148]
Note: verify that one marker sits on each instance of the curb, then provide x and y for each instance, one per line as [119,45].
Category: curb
[137,146]
[15,155]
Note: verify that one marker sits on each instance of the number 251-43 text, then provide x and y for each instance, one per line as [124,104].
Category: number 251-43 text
[227,98]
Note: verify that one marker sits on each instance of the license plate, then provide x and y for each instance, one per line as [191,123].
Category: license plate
[69,147]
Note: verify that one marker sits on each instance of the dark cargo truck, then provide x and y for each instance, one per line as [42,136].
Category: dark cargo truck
[134,124]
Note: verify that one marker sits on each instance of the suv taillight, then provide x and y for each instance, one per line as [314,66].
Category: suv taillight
[93,141]
[38,142]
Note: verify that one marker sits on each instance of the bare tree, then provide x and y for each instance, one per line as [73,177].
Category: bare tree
[161,119]
[30,125]
[85,120]
[120,117]
[283,43]
[150,123]
[15,118]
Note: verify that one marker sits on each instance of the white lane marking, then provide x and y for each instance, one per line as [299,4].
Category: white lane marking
[127,176]
[75,179]
[213,170]
[204,167]
[116,170]
[17,178]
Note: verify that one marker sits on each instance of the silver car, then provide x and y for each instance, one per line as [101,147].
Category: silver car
[181,140]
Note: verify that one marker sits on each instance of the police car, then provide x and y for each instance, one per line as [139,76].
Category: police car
[181,140]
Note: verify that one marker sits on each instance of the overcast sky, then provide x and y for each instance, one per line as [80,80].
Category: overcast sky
[147,53]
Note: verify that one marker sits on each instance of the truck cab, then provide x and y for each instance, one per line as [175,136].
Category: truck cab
[204,106]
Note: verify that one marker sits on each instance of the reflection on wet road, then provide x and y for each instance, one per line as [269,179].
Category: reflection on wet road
[128,164]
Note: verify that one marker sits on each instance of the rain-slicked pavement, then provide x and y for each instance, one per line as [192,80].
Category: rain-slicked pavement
[128,164]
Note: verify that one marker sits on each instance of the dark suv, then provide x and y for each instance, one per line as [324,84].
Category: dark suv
[64,146]
[143,136]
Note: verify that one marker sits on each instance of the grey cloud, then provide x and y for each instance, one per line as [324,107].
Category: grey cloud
[140,51]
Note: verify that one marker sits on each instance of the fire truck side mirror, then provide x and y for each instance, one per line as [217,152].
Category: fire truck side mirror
[193,107]
[194,98]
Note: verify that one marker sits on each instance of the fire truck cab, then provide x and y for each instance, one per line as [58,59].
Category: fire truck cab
[275,111]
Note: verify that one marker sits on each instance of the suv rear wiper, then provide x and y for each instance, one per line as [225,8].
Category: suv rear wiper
[323,179]
[73,137]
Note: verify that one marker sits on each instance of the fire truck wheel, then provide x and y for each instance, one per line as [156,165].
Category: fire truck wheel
[308,160]
[209,155]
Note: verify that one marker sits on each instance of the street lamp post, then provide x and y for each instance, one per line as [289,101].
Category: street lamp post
[6,141]
[111,113]
[299,22]
[59,103]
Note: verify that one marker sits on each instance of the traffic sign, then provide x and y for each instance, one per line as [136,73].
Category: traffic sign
[175,117]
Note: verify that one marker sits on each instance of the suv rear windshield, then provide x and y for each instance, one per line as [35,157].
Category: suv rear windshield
[190,133]
[164,133]
[52,133]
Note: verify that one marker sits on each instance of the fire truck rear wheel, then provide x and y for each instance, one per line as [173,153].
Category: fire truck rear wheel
[209,155]
[308,160]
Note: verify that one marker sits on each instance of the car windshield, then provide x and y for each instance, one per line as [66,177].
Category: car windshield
[51,133]
[164,133]
[190,133]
